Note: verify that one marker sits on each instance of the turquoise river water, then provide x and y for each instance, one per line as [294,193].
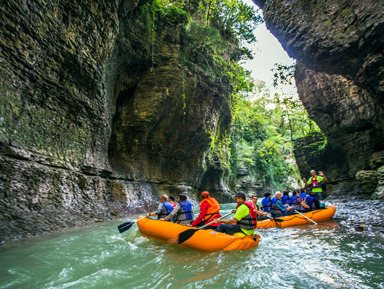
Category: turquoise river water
[328,255]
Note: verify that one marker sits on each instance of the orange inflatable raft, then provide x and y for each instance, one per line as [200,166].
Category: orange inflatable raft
[297,219]
[204,240]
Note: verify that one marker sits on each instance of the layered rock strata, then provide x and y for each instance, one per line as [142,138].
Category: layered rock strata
[99,114]
[339,47]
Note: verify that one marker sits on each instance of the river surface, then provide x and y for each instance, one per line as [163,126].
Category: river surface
[329,255]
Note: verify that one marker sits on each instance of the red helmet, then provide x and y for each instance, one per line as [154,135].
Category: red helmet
[205,194]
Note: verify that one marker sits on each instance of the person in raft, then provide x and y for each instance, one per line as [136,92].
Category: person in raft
[209,211]
[164,208]
[260,214]
[172,201]
[266,202]
[298,203]
[244,221]
[279,209]
[315,183]
[182,213]
[285,197]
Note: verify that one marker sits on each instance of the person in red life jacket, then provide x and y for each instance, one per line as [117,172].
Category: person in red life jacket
[182,213]
[315,182]
[172,201]
[209,211]
[164,208]
[244,221]
[260,214]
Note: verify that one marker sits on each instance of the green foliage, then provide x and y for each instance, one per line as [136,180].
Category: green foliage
[260,146]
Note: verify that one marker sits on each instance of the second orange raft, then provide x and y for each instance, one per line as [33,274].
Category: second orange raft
[297,219]
[204,240]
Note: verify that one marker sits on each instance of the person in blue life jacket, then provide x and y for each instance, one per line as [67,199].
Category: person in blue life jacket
[182,213]
[303,193]
[274,199]
[285,197]
[266,202]
[245,218]
[294,196]
[298,203]
[279,209]
[164,208]
[311,202]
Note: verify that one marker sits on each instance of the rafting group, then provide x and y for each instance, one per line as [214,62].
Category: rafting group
[210,232]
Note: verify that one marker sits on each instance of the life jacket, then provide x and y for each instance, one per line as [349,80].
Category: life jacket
[276,210]
[296,204]
[213,210]
[185,213]
[310,201]
[173,204]
[273,201]
[266,202]
[167,209]
[285,199]
[249,222]
[292,200]
[303,195]
[315,183]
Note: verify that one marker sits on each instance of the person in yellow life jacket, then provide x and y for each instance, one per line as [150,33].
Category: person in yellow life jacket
[315,183]
[244,221]
[209,211]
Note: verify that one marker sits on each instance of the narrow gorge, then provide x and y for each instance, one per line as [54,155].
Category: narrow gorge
[105,105]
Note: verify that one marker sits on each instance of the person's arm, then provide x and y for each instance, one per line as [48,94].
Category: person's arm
[228,222]
[158,211]
[283,207]
[261,213]
[324,177]
[203,212]
[304,205]
[173,213]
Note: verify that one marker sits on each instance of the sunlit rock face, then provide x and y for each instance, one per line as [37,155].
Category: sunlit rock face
[340,74]
[98,116]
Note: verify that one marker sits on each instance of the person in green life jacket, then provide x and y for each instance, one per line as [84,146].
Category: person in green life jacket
[244,220]
[315,182]
[164,208]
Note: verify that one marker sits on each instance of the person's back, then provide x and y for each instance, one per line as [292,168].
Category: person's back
[312,202]
[184,215]
[266,202]
[285,197]
[209,211]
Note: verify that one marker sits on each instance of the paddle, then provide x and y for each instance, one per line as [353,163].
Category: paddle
[184,236]
[306,217]
[125,226]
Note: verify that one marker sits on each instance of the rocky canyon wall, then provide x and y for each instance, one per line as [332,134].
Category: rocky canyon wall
[339,49]
[99,113]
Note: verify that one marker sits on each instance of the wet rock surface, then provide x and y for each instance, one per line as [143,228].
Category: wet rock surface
[361,215]
[338,46]
[99,115]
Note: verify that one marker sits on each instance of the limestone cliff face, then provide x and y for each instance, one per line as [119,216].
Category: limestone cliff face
[98,115]
[340,76]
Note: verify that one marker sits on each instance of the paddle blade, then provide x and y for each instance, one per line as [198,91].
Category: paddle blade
[124,227]
[184,236]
